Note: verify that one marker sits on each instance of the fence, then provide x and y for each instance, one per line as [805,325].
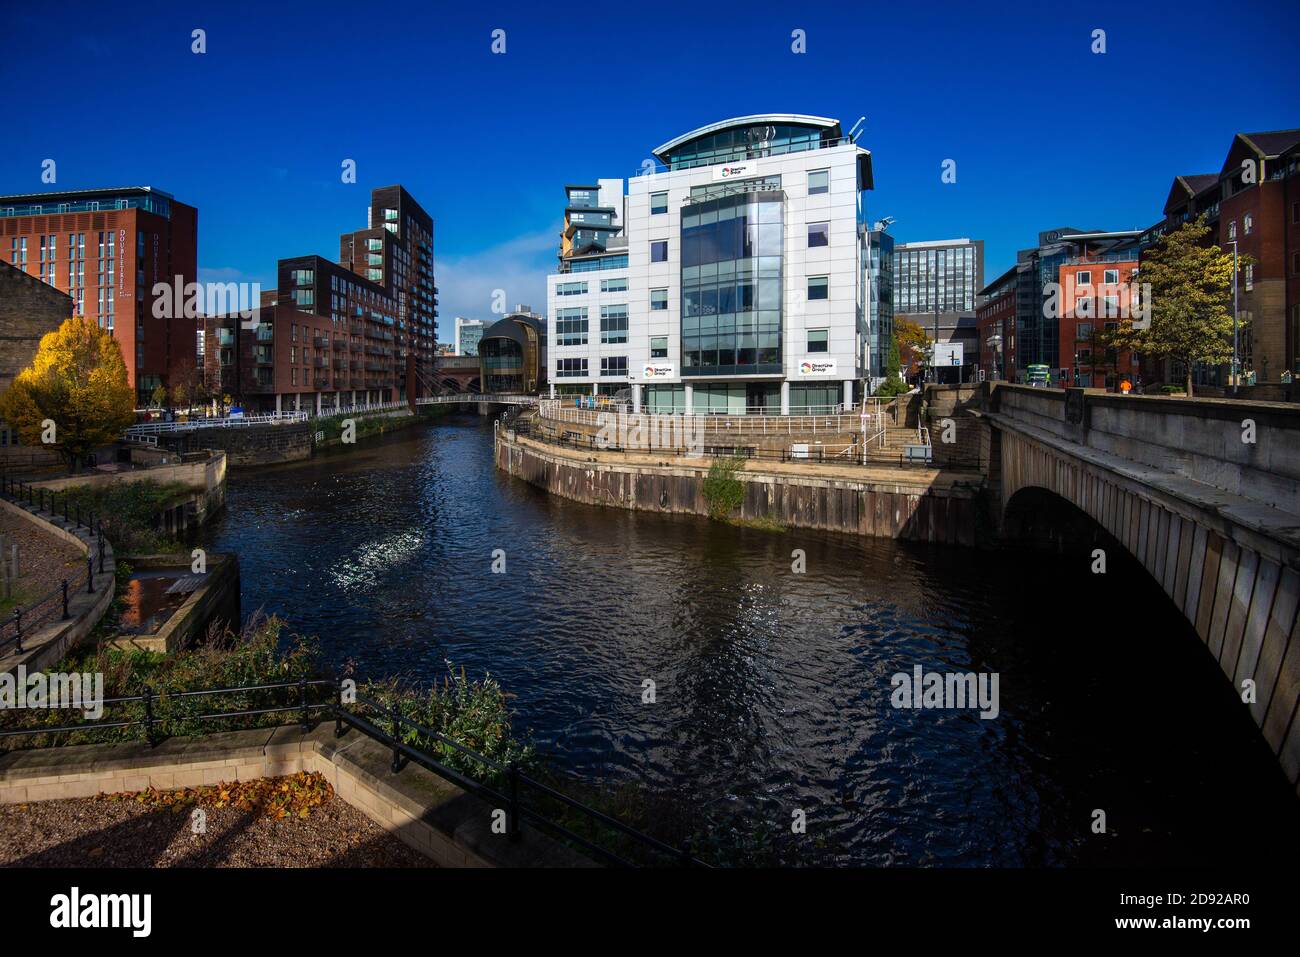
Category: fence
[53,604]
[871,412]
[855,452]
[143,429]
[154,714]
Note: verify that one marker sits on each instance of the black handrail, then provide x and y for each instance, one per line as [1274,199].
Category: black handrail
[26,619]
[515,779]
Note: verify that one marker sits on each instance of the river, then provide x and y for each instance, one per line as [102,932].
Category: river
[772,688]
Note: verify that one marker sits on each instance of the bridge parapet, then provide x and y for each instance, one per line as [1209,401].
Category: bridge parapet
[1251,449]
[1212,517]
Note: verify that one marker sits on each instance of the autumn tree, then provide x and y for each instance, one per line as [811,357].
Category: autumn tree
[914,345]
[1189,300]
[74,397]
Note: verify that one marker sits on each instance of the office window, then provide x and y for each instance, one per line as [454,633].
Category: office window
[659,251]
[658,299]
[1110,277]
[819,234]
[613,324]
[613,285]
[1250,277]
[1232,229]
[1110,306]
[658,203]
[1083,278]
[658,347]
[571,326]
[1246,223]
[613,366]
[819,181]
[571,289]
[817,340]
[1084,331]
[818,288]
[569,368]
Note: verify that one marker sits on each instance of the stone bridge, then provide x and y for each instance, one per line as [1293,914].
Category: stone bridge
[1203,493]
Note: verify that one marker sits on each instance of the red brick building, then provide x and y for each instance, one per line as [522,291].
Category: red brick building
[1095,294]
[995,319]
[361,331]
[1254,202]
[107,249]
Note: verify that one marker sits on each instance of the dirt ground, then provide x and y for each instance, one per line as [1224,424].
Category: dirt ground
[98,833]
[43,560]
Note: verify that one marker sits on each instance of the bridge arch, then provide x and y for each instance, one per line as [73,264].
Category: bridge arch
[1238,586]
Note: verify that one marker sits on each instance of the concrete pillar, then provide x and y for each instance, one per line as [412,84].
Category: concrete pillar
[785,398]
[848,393]
[690,399]
[636,398]
[318,403]
[552,390]
[297,402]
[595,388]
[277,403]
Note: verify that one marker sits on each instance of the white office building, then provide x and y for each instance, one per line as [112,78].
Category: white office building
[468,334]
[729,277]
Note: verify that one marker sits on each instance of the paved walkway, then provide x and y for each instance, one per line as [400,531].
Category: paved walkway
[43,559]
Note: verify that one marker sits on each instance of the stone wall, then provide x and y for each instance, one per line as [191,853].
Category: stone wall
[251,444]
[909,507]
[29,308]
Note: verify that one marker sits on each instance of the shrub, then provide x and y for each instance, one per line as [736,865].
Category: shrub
[723,492]
[130,510]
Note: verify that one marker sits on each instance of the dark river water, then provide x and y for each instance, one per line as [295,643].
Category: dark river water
[772,688]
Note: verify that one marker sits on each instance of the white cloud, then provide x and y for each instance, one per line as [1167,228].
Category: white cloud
[518,267]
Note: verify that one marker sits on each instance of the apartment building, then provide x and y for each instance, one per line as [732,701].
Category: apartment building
[337,334]
[116,253]
[730,277]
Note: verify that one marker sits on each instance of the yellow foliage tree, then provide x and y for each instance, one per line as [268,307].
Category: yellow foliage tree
[74,397]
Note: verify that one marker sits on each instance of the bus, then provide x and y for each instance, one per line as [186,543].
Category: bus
[1038,375]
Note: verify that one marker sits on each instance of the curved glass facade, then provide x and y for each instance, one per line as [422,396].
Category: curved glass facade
[732,284]
[746,142]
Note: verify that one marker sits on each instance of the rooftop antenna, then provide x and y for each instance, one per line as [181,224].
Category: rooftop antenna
[853,133]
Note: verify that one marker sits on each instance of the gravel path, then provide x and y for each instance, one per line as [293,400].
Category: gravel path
[43,560]
[89,833]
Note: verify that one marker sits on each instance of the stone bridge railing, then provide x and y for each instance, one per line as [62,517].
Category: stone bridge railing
[1203,493]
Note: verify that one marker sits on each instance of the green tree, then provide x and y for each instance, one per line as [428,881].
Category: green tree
[894,383]
[75,392]
[1189,299]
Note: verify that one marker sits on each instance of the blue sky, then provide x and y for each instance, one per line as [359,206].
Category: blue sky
[1044,132]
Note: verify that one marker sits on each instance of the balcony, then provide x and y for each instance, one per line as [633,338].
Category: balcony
[320,342]
[321,383]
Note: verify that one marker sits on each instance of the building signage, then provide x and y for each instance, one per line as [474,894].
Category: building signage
[949,354]
[817,367]
[734,171]
[658,370]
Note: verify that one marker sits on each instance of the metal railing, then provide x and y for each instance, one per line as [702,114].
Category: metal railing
[500,398]
[842,421]
[24,620]
[142,429]
[154,718]
[855,452]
